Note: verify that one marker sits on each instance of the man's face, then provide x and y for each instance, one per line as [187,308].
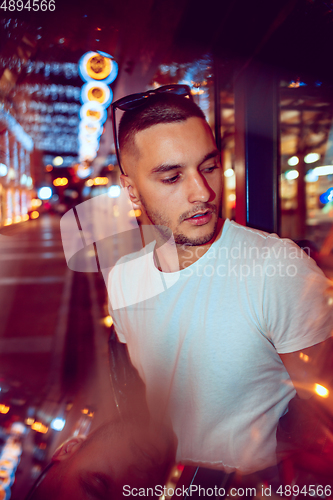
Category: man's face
[109,460]
[177,179]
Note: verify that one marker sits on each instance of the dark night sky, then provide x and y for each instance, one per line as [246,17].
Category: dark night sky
[295,35]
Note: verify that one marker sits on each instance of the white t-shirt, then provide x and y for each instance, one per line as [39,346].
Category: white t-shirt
[205,340]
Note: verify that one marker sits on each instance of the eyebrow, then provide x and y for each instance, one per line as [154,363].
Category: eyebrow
[166,167]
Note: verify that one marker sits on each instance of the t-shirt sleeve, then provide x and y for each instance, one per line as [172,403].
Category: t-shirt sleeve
[297,299]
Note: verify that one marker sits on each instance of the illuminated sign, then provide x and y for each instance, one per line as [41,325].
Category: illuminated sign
[98,66]
[93,112]
[96,91]
[97,69]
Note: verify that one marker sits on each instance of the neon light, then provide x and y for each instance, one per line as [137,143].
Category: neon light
[95,66]
[311,157]
[20,135]
[45,193]
[325,170]
[93,112]
[114,191]
[293,161]
[58,424]
[3,170]
[96,91]
[291,175]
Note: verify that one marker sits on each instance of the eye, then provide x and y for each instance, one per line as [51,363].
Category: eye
[210,169]
[95,486]
[171,180]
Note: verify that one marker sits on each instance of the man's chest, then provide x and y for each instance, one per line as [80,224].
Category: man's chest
[199,339]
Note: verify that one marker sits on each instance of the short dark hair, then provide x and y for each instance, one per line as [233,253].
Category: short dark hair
[159,108]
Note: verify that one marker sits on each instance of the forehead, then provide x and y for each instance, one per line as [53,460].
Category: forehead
[183,142]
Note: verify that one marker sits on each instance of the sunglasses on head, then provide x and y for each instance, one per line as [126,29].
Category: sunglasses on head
[134,101]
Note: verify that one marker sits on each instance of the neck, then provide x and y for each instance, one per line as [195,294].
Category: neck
[170,257]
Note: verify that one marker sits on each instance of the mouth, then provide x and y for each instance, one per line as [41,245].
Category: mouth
[200,218]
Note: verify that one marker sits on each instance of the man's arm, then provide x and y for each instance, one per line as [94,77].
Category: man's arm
[304,434]
[310,368]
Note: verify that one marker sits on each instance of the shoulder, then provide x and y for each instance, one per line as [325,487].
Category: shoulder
[268,245]
[128,279]
[133,260]
[248,235]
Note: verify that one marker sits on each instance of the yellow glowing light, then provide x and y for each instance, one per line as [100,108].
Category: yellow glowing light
[8,222]
[321,391]
[90,129]
[100,181]
[29,421]
[116,211]
[89,182]
[4,409]
[96,94]
[108,321]
[305,357]
[229,172]
[18,218]
[60,181]
[134,213]
[91,414]
[93,114]
[98,67]
[34,214]
[197,91]
[25,217]
[11,174]
[85,411]
[36,202]
[39,427]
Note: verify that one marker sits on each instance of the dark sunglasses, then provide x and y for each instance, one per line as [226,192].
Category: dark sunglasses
[134,101]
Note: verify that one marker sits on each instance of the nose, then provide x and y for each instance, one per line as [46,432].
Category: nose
[198,188]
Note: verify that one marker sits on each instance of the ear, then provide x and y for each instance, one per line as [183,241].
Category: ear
[67,448]
[129,184]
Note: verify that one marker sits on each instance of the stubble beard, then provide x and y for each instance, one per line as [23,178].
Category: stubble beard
[163,226]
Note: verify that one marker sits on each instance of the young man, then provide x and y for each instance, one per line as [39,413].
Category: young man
[219,319]
[113,462]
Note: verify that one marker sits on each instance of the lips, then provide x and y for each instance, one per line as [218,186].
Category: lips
[200,218]
[199,214]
